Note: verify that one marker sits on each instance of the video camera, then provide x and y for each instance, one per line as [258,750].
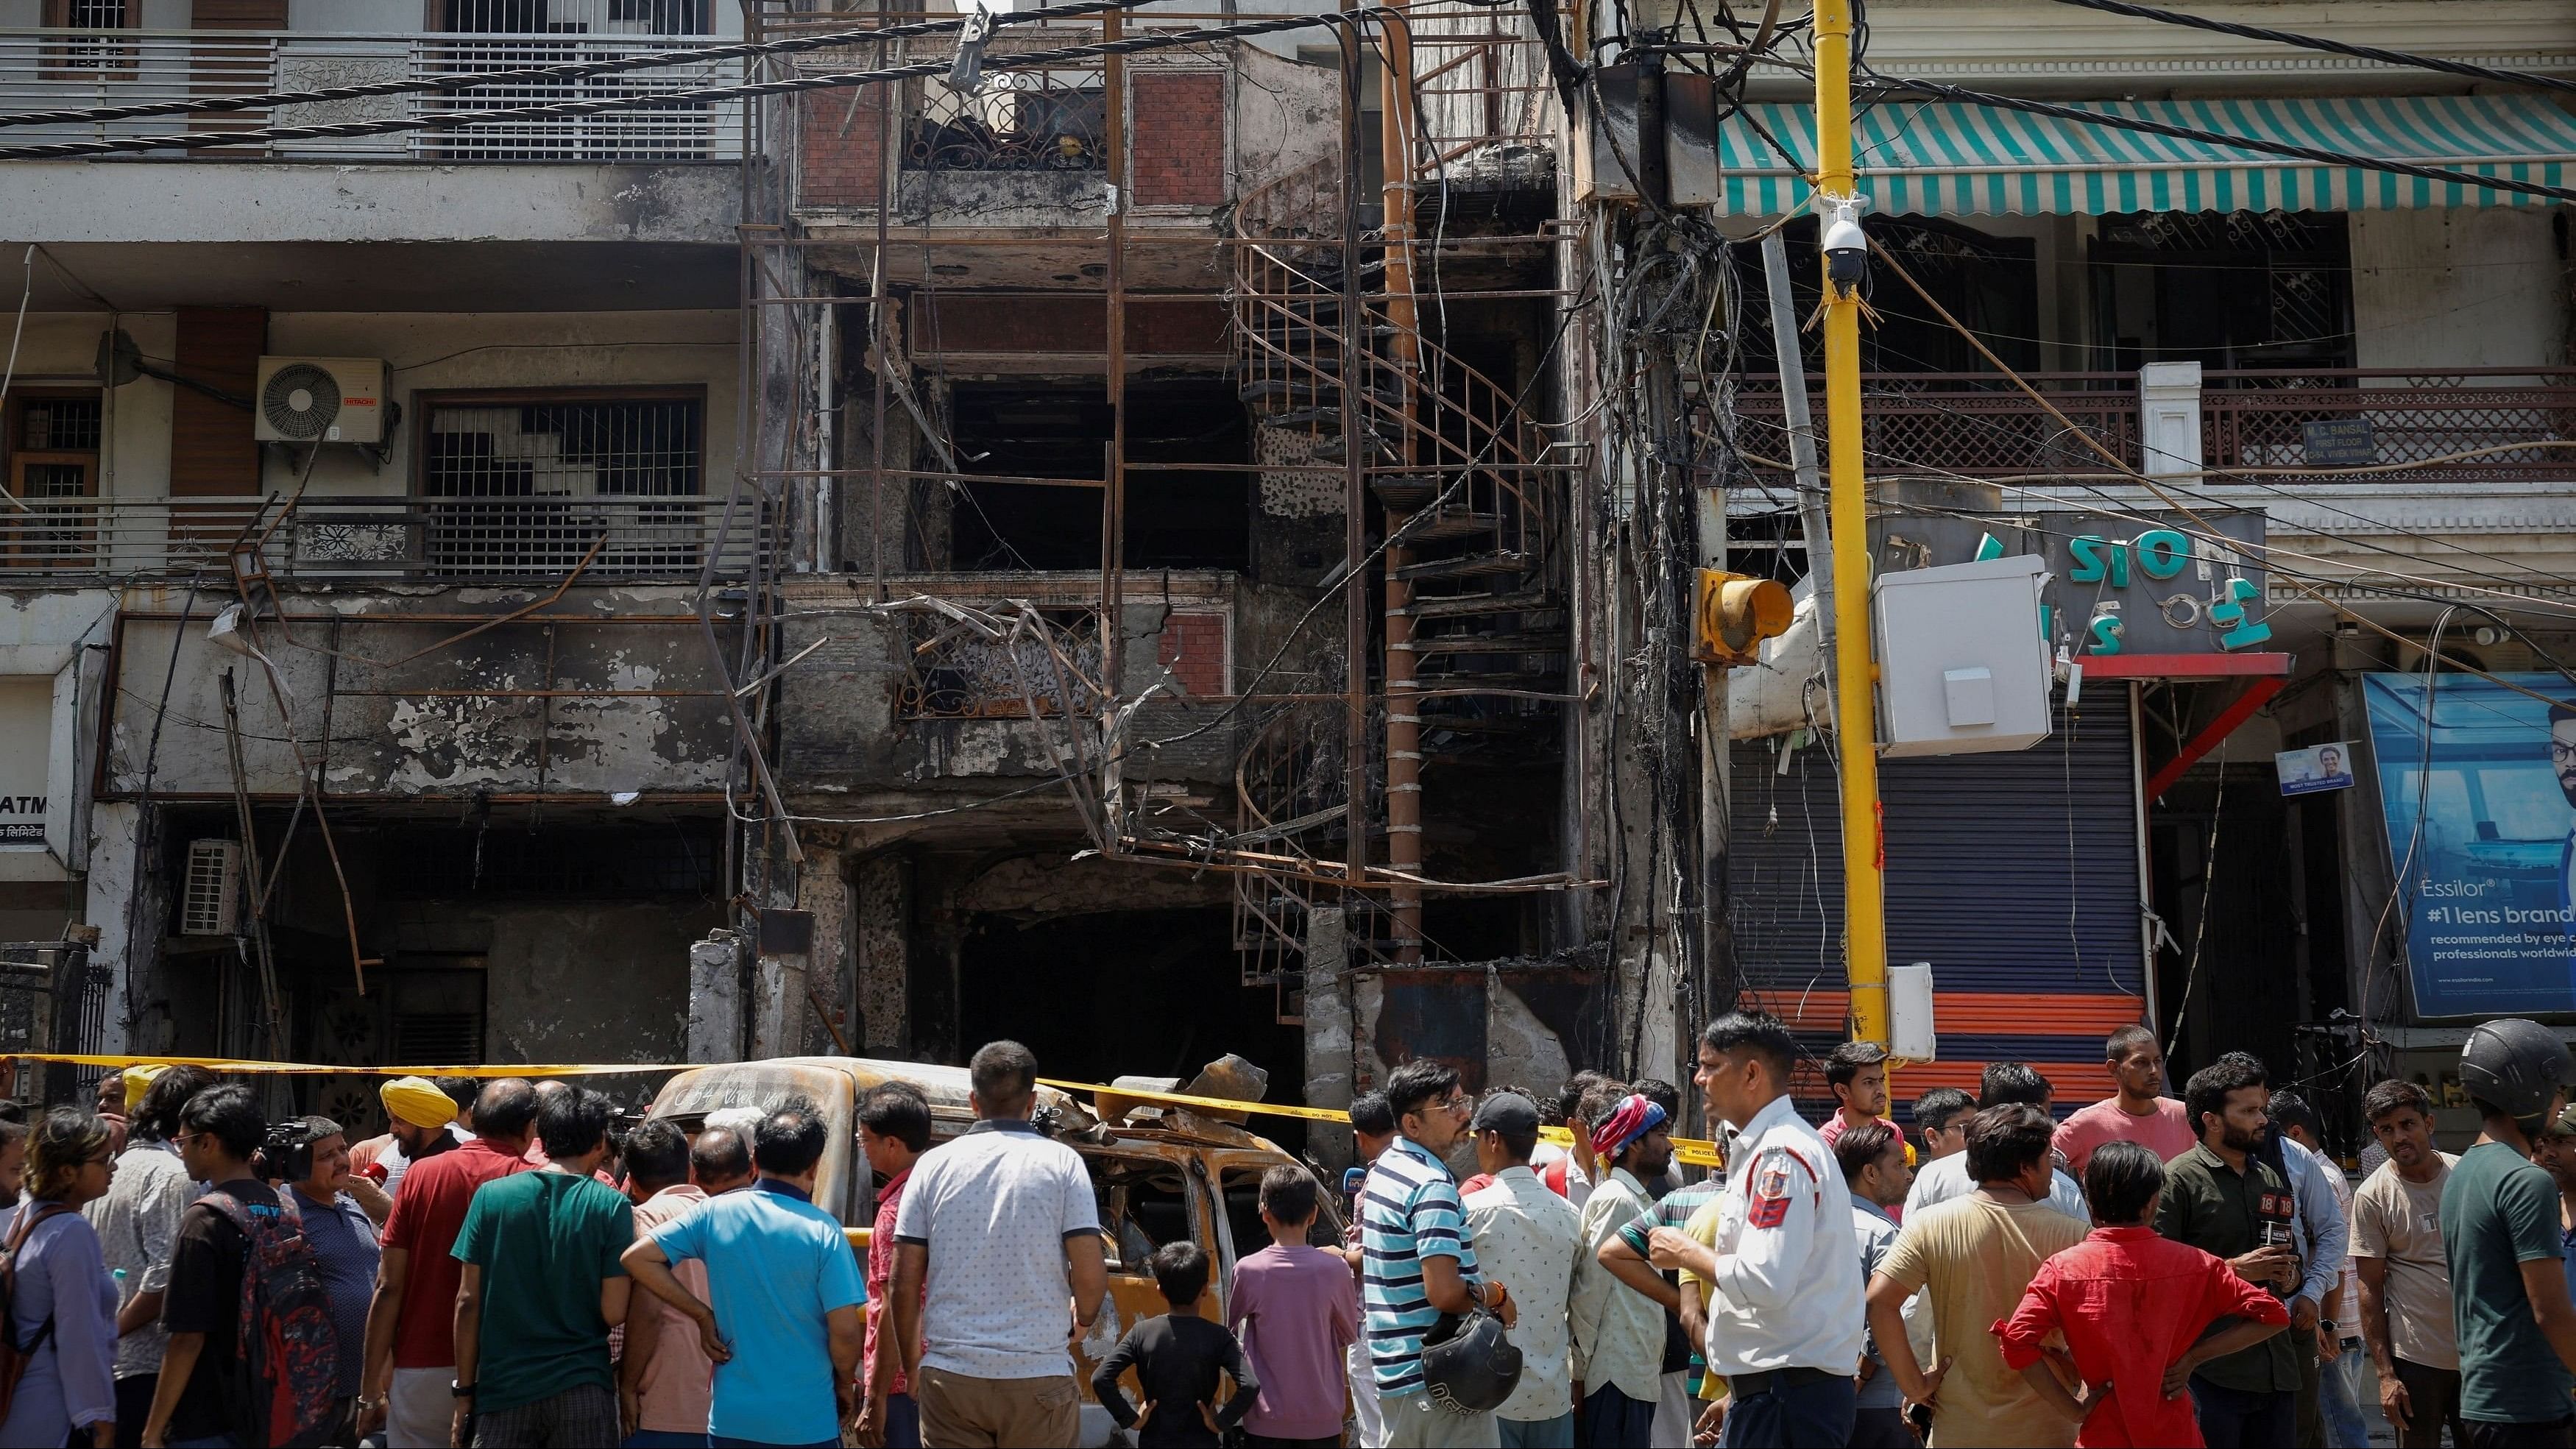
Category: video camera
[287,1153]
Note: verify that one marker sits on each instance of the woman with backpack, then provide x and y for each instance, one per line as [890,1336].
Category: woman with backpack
[58,1364]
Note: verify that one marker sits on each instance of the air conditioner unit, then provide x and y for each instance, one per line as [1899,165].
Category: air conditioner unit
[210,894]
[320,400]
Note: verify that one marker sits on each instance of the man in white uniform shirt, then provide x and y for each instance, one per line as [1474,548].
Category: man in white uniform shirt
[1786,1325]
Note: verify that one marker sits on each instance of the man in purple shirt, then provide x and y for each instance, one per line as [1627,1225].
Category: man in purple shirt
[1296,1310]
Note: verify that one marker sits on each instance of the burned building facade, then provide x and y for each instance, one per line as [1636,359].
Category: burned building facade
[1157,531]
[1183,658]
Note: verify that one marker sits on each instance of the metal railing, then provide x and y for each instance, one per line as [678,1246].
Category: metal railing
[1019,121]
[1481,85]
[62,69]
[1980,425]
[2288,420]
[495,540]
[955,672]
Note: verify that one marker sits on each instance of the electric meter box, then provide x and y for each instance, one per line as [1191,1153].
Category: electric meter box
[1962,666]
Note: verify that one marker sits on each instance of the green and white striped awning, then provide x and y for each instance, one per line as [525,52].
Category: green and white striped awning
[1948,158]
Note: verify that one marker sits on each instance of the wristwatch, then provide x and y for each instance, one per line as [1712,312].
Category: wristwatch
[460,1390]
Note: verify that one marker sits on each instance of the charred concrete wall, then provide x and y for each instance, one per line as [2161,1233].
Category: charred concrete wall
[871,712]
[636,711]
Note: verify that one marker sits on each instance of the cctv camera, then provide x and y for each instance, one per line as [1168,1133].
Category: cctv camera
[1846,252]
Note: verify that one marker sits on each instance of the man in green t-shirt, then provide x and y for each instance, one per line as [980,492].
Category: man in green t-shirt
[2509,1302]
[542,1283]
[2224,1199]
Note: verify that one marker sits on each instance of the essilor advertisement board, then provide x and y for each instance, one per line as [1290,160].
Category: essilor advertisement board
[2477,783]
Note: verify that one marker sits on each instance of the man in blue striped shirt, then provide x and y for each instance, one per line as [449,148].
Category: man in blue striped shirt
[1417,1261]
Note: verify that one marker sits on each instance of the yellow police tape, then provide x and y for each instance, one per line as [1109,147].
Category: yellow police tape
[1687,1149]
[238,1064]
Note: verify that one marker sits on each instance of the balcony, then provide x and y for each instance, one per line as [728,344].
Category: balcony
[65,70]
[1981,426]
[382,539]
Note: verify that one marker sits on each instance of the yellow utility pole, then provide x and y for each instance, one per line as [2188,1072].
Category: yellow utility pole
[1855,719]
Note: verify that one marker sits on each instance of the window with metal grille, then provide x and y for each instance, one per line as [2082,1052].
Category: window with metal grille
[560,447]
[566,17]
[564,31]
[530,485]
[437,1016]
[49,442]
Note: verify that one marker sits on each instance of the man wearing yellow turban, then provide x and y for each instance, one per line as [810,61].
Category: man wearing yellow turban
[418,1113]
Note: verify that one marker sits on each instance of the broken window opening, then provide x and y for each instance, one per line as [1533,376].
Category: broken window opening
[1142,1211]
[1018,121]
[1180,520]
[956,673]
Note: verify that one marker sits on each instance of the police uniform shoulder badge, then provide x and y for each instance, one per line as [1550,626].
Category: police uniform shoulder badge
[1770,1206]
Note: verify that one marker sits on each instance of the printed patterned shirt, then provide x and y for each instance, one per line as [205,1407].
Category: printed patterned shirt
[1409,1211]
[993,1209]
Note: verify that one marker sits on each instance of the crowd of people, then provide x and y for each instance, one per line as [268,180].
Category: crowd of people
[513,1263]
[510,1264]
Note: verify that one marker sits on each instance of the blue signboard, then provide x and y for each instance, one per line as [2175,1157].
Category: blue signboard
[2479,795]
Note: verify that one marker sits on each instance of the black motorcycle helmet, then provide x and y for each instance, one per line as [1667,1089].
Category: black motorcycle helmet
[2515,1066]
[1468,1365]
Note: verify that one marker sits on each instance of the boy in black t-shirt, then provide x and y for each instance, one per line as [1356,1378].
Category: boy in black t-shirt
[201,1395]
[1176,1358]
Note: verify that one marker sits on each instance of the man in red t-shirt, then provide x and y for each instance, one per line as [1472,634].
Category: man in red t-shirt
[894,1130]
[2136,1113]
[411,1349]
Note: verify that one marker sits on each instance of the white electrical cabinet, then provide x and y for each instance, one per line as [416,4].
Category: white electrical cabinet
[1962,666]
[1911,1031]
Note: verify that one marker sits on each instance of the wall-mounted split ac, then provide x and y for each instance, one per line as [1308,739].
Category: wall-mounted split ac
[210,892]
[320,400]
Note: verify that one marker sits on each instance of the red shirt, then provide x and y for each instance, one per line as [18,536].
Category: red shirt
[2129,1303]
[2166,1132]
[427,1214]
[880,1277]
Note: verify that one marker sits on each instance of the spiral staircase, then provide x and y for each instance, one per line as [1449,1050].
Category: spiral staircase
[1474,627]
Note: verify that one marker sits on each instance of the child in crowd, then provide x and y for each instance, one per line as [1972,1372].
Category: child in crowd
[1176,1358]
[1296,1309]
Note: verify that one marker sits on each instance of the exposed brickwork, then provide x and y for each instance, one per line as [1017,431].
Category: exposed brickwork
[839,170]
[1176,146]
[1194,646]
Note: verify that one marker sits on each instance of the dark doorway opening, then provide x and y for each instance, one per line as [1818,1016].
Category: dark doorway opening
[1179,520]
[1141,993]
[2234,983]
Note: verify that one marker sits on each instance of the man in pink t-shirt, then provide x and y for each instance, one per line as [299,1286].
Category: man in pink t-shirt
[1857,1074]
[2138,1113]
[665,1378]
[894,1130]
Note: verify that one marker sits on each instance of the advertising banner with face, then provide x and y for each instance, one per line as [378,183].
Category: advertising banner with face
[2477,784]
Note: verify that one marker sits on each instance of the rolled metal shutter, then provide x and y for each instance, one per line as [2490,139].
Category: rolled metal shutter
[2015,875]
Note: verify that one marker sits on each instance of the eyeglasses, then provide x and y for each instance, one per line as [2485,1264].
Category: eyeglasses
[2561,753]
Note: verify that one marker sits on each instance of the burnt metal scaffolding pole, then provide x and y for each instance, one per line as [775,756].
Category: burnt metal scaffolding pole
[1403,717]
[1355,600]
[1113,499]
[879,317]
